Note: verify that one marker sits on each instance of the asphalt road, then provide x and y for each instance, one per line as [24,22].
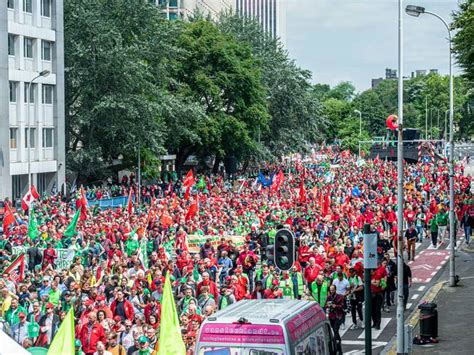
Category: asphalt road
[427,269]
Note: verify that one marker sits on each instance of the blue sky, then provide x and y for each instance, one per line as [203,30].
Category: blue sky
[355,40]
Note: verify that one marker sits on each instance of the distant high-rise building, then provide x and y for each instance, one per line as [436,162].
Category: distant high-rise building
[420,72]
[271,14]
[174,9]
[390,73]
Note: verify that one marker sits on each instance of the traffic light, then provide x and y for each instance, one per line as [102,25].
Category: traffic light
[284,249]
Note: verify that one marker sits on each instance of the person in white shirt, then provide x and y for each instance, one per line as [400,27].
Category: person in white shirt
[342,288]
[19,331]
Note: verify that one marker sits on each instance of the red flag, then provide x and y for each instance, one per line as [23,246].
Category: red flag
[82,202]
[377,159]
[193,209]
[166,219]
[326,204]
[278,181]
[16,271]
[170,188]
[302,192]
[345,153]
[189,179]
[30,196]
[130,203]
[175,202]
[8,218]
[186,194]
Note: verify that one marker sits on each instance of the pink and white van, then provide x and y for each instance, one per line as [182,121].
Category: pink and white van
[267,327]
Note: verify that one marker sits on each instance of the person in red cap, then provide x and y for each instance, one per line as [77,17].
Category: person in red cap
[48,324]
[19,331]
[102,306]
[91,333]
[206,281]
[89,304]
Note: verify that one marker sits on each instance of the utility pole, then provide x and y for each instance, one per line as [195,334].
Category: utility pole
[400,314]
[426,117]
[139,177]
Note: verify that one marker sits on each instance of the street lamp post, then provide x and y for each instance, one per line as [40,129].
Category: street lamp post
[400,310]
[28,125]
[416,11]
[360,127]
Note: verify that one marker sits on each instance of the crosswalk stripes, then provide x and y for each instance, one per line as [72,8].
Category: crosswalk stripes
[376,332]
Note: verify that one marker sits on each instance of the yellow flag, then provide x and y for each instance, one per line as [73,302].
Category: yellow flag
[63,341]
[171,341]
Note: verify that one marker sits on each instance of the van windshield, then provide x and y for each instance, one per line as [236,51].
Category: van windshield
[239,351]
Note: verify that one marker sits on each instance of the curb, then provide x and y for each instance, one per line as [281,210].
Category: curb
[414,317]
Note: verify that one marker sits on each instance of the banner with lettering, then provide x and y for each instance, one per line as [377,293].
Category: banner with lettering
[63,261]
[195,241]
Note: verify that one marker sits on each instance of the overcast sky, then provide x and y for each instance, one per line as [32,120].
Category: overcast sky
[355,40]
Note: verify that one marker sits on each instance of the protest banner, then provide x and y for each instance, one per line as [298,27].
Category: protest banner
[195,241]
[63,261]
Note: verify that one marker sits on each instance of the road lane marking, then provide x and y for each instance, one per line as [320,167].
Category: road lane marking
[415,296]
[421,288]
[376,333]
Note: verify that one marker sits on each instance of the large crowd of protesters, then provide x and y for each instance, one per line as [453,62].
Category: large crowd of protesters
[115,290]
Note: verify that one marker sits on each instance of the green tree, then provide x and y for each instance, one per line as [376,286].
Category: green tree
[294,108]
[113,58]
[463,26]
[220,74]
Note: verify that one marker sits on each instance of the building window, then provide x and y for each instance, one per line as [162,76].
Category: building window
[47,94]
[46,50]
[16,186]
[46,8]
[13,138]
[28,6]
[28,47]
[32,93]
[13,88]
[11,44]
[11,4]
[48,137]
[32,137]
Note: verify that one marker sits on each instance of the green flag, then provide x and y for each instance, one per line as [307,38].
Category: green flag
[143,252]
[71,228]
[196,273]
[63,341]
[201,184]
[171,341]
[132,242]
[32,225]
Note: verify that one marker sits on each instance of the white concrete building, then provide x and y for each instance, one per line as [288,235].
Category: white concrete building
[31,41]
[270,13]
[175,9]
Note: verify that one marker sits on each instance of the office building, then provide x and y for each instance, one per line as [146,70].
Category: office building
[32,43]
[174,9]
[270,13]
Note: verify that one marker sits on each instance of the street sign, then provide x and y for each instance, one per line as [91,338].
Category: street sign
[370,251]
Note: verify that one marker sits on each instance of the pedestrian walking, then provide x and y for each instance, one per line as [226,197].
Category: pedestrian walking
[411,236]
[356,297]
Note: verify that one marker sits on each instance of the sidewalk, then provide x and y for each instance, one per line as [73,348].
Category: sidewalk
[455,312]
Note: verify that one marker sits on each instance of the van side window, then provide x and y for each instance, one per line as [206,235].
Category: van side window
[314,343]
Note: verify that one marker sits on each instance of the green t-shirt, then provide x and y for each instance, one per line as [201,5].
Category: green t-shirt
[442,219]
[54,296]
